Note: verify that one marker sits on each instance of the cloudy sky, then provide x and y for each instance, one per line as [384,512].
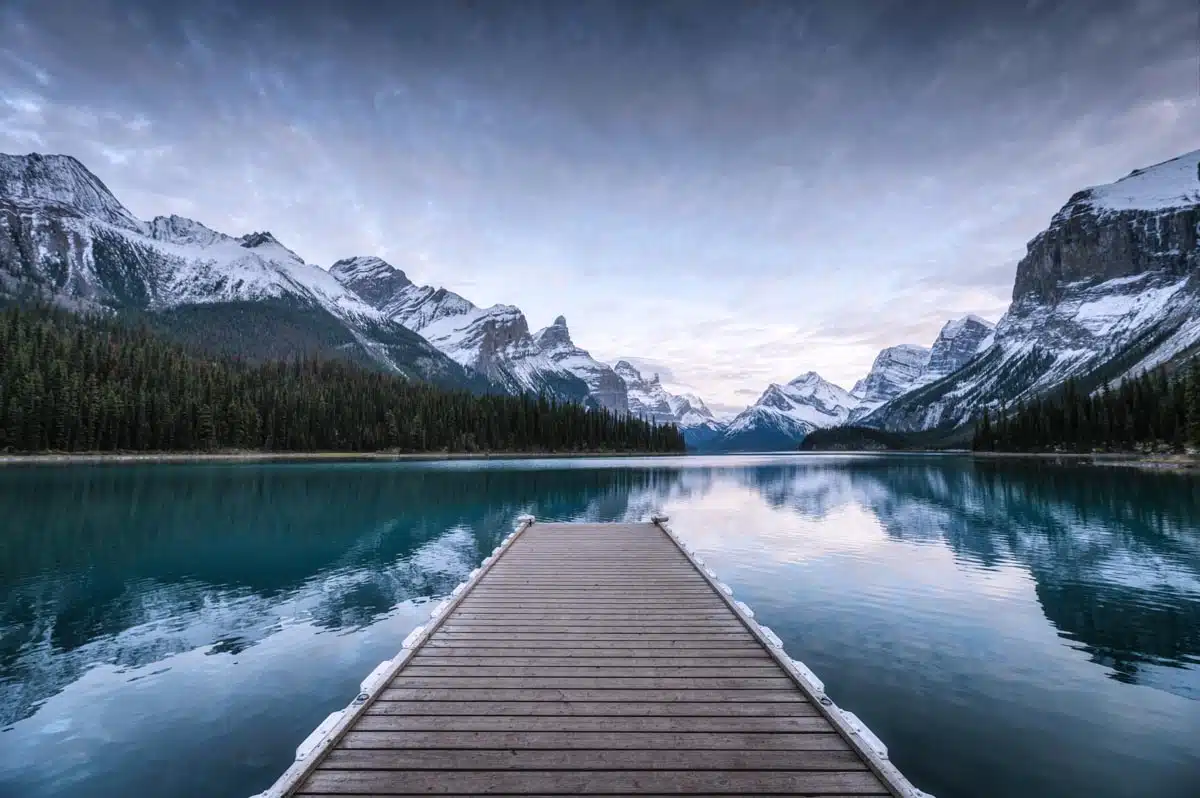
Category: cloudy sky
[739,192]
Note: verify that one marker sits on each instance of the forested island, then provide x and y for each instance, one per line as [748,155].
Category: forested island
[71,383]
[1157,410]
[852,438]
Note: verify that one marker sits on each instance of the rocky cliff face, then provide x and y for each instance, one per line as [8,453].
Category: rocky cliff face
[647,397]
[958,342]
[894,370]
[605,387]
[1111,287]
[1144,223]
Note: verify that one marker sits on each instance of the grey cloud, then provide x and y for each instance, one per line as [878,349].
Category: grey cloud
[765,160]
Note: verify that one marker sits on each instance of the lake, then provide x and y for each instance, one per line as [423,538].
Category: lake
[1008,628]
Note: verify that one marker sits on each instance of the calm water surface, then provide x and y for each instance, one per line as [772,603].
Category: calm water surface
[1008,629]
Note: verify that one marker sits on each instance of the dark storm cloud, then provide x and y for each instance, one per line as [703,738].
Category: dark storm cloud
[698,182]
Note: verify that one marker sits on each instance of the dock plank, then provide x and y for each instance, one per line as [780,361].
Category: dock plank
[524,758]
[375,720]
[591,659]
[594,708]
[331,781]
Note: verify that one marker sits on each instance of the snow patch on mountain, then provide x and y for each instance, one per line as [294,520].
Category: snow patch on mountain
[1170,184]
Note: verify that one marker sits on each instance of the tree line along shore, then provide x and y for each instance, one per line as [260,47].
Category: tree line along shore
[77,383]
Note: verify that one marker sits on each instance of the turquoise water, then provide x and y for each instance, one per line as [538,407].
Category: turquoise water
[1008,629]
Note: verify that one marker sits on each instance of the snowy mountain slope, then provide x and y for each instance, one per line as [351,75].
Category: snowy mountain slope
[784,414]
[1111,287]
[649,399]
[494,341]
[62,233]
[894,370]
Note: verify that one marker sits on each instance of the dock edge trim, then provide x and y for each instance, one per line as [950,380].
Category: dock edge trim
[327,734]
[855,732]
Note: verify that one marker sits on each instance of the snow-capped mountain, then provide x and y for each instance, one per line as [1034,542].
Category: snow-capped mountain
[650,400]
[494,341]
[958,342]
[894,370]
[64,235]
[1110,288]
[784,414]
[604,386]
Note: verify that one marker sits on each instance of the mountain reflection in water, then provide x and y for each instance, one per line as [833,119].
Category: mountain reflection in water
[972,612]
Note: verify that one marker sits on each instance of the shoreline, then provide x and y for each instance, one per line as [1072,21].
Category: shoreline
[1168,462]
[87,458]
[1164,461]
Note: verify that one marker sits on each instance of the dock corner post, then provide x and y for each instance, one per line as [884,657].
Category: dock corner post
[658,519]
[526,520]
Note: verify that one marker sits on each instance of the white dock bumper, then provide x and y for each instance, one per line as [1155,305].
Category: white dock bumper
[375,677]
[868,745]
[337,722]
[317,735]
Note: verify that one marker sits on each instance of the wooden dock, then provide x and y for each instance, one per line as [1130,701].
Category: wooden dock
[592,659]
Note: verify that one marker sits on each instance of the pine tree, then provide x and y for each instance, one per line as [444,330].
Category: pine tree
[82,384]
[1193,404]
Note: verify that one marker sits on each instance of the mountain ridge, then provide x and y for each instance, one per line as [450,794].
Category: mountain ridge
[1108,289]
[65,236]
[495,341]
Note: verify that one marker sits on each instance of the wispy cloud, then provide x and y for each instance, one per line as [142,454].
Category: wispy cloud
[735,192]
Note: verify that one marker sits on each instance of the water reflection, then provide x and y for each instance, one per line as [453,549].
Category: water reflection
[1115,553]
[126,566]
[975,613]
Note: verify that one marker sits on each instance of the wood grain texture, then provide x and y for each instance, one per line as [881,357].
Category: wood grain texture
[504,782]
[592,659]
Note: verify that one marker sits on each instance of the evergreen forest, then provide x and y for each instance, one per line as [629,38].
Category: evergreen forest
[1154,410]
[71,383]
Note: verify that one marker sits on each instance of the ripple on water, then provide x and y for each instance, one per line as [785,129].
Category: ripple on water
[1007,629]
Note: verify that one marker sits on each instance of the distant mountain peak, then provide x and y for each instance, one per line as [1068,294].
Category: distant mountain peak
[372,278]
[956,326]
[784,414]
[258,239]
[70,237]
[805,378]
[649,399]
[892,372]
[182,230]
[367,266]
[62,180]
[556,335]
[811,381]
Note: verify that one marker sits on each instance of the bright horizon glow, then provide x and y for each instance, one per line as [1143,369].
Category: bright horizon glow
[738,193]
